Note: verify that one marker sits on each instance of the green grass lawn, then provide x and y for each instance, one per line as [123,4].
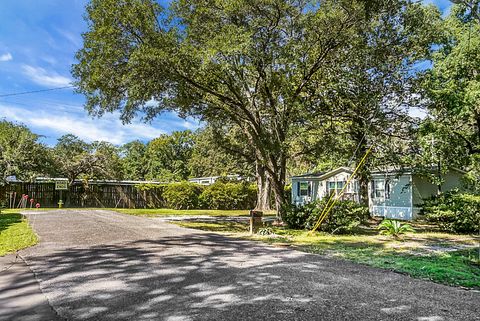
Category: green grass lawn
[15,233]
[440,257]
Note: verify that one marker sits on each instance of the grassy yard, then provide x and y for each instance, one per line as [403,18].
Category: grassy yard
[15,233]
[440,257]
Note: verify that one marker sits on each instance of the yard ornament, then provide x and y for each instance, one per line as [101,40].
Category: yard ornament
[37,205]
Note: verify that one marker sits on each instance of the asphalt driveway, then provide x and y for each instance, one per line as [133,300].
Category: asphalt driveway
[100,265]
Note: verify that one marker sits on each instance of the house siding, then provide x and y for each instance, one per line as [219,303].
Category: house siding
[423,189]
[399,204]
[318,187]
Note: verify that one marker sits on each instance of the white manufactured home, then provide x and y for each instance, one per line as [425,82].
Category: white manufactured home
[399,195]
[315,186]
[392,194]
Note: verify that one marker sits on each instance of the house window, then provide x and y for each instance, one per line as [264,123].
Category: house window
[335,187]
[304,189]
[381,188]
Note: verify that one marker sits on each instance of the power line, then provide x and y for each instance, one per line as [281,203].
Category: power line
[35,91]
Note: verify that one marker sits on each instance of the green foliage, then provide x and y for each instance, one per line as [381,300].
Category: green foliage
[343,218]
[261,67]
[133,161]
[452,87]
[167,156]
[394,228]
[213,153]
[296,217]
[454,212]
[74,158]
[228,195]
[182,196]
[21,154]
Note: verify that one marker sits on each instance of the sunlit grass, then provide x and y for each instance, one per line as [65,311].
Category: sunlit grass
[440,257]
[15,233]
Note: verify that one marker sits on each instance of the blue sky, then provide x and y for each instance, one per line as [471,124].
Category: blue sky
[38,40]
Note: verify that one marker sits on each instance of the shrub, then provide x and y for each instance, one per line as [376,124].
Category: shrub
[343,218]
[454,212]
[182,196]
[394,228]
[228,196]
[296,217]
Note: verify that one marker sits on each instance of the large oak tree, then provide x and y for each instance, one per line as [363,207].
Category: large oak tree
[255,65]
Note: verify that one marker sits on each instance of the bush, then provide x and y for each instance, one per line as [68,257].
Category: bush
[296,217]
[343,218]
[228,196]
[454,212]
[182,196]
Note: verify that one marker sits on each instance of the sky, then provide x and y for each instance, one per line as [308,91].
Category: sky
[38,41]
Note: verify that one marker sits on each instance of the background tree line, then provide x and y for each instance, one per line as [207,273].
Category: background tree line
[169,158]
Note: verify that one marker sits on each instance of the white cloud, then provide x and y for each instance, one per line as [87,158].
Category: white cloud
[6,57]
[108,128]
[74,39]
[44,77]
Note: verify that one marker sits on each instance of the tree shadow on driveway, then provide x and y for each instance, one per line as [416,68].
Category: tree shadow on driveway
[202,276]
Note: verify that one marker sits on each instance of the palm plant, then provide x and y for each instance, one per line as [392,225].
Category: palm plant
[394,228]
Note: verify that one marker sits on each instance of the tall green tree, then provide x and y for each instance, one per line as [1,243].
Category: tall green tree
[133,161]
[365,98]
[210,157]
[167,156]
[248,63]
[452,86]
[75,158]
[21,153]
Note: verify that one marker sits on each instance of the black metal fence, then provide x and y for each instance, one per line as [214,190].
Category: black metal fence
[113,195]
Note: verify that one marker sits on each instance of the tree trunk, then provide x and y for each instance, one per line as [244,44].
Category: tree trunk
[363,187]
[363,175]
[280,199]
[263,188]
[278,184]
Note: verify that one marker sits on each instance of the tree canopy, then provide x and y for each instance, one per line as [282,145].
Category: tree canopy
[256,65]
[21,153]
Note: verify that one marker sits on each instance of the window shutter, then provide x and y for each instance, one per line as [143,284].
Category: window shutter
[387,188]
[372,189]
[298,188]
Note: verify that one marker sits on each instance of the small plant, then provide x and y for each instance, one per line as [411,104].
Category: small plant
[265,231]
[394,228]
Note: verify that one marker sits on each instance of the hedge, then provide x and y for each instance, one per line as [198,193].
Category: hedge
[223,194]
[454,212]
[228,196]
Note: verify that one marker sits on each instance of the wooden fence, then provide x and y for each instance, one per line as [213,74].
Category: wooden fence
[113,195]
